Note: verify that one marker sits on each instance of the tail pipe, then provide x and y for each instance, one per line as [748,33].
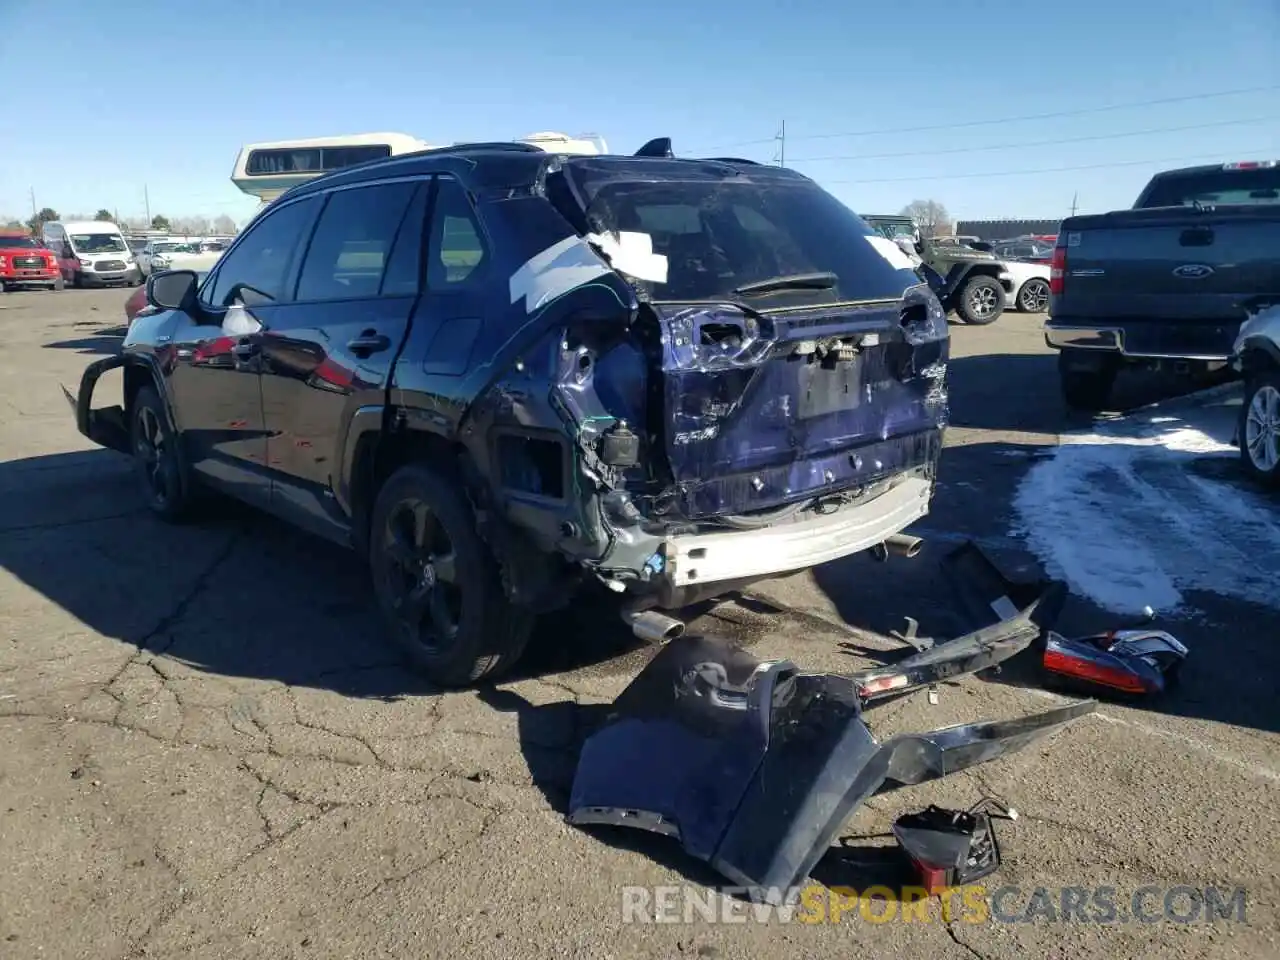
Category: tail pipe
[653,627]
[900,544]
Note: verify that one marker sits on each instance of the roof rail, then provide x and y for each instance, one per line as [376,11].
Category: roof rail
[509,146]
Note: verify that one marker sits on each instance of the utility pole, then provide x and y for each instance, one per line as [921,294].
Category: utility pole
[146,201]
[1074,197]
[782,144]
[34,212]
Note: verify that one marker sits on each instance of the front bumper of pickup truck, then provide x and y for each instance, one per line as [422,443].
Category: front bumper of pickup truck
[1174,340]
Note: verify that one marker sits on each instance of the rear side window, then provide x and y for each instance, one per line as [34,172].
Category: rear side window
[719,234]
[457,250]
[352,242]
[257,269]
[1213,187]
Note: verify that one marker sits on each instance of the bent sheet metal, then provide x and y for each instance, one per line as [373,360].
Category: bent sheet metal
[754,766]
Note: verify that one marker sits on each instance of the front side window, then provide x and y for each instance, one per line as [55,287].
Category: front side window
[258,268]
[352,242]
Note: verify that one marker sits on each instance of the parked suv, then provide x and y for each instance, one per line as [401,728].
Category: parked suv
[972,282]
[499,372]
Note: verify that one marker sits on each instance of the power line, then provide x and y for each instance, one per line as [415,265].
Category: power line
[1018,173]
[1080,112]
[1041,143]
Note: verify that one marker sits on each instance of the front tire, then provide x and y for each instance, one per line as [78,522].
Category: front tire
[1259,429]
[981,300]
[1033,296]
[438,586]
[157,458]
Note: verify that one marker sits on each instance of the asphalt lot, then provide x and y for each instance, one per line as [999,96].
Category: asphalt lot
[207,750]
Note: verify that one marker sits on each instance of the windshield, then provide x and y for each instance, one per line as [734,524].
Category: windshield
[894,230]
[19,243]
[720,234]
[174,248]
[1210,187]
[98,243]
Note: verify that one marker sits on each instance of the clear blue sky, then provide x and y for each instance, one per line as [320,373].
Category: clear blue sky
[139,93]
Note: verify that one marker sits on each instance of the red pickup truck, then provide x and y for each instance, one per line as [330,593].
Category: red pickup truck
[24,260]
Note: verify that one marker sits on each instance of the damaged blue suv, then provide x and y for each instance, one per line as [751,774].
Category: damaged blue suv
[501,372]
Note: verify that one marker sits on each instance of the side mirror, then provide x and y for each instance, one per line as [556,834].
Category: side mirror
[172,289]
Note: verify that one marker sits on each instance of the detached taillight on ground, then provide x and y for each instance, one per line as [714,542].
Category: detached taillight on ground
[1057,270]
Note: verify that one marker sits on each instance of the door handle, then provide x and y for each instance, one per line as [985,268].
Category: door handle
[370,341]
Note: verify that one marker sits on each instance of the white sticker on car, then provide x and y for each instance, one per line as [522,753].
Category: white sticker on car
[555,271]
[632,253]
[891,252]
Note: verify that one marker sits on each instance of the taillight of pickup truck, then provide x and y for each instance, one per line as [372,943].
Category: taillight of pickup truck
[1057,270]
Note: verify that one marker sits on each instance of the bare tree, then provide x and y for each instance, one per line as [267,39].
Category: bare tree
[223,225]
[929,215]
[190,226]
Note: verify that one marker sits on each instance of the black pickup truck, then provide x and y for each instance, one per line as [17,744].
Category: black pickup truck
[1168,283]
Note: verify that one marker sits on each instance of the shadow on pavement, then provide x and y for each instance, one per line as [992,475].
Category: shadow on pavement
[106,342]
[235,592]
[1019,392]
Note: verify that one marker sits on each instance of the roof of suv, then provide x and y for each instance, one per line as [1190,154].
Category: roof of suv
[510,164]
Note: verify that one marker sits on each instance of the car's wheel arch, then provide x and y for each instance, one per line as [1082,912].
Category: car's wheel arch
[143,370]
[1259,353]
[375,442]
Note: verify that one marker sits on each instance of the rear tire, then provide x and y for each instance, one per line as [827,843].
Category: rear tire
[1259,427]
[1033,296]
[157,456]
[981,300]
[438,585]
[1086,388]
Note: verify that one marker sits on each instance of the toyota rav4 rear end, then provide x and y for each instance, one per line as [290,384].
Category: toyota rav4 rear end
[778,399]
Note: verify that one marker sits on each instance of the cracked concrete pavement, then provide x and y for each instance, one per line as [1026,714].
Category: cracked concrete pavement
[207,749]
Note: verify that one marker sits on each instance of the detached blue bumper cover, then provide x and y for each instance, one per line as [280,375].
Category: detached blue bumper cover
[755,766]
[105,427]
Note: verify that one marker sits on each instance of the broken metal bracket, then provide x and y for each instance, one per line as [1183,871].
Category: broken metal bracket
[911,637]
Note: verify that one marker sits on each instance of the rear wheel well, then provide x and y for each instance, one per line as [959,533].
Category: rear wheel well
[1256,359]
[380,453]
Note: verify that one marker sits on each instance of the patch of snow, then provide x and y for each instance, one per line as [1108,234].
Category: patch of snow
[1119,514]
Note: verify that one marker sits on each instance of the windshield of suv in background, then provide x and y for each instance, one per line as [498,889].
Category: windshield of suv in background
[895,230]
[98,243]
[719,234]
[1209,187]
[19,243]
[173,248]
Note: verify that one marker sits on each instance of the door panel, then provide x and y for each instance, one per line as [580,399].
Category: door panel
[216,381]
[329,352]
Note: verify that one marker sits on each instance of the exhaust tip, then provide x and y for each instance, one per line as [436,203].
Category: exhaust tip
[653,627]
